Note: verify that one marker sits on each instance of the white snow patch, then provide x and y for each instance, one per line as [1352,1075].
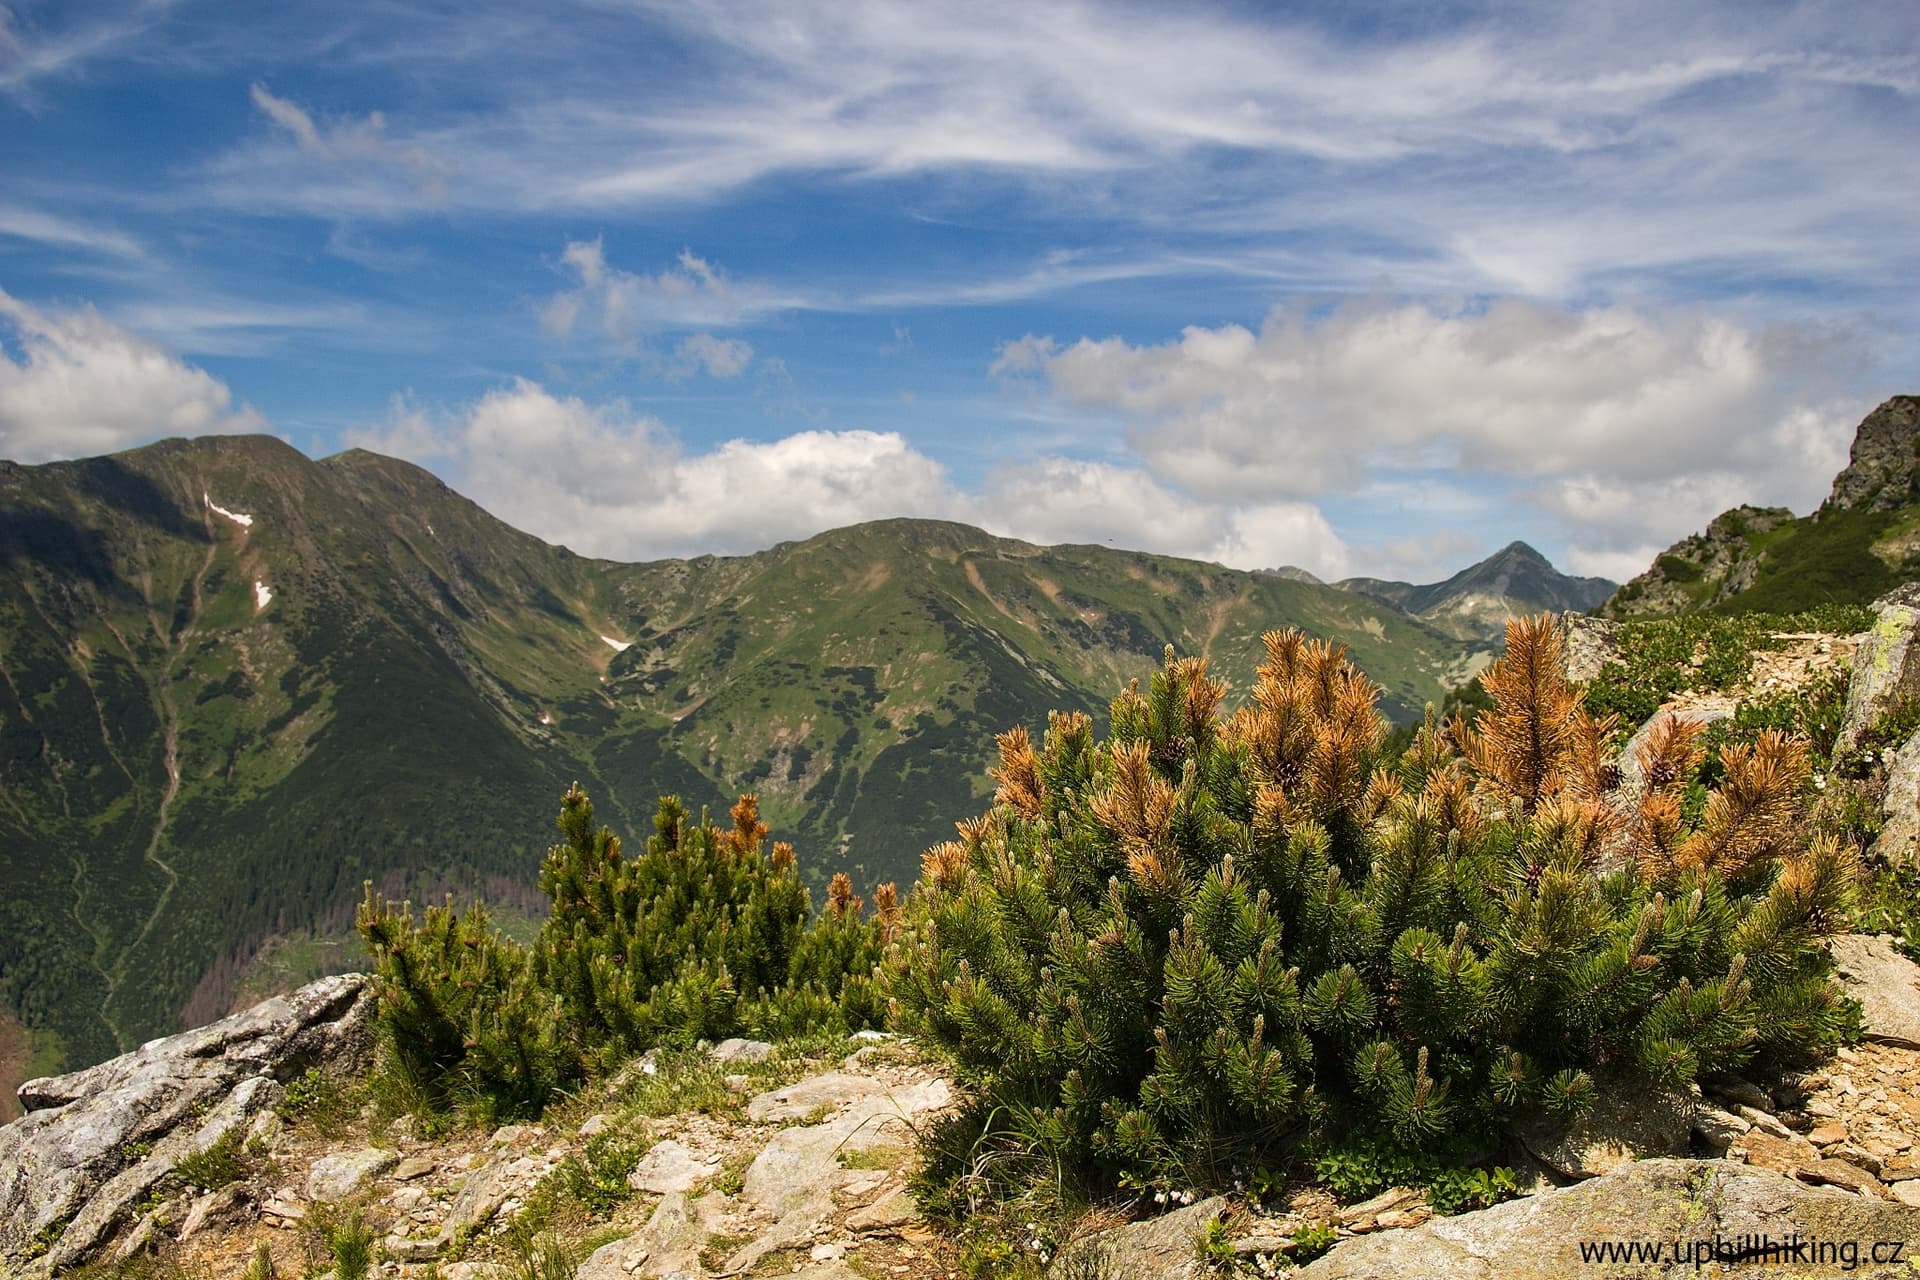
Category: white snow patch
[245,522]
[431,533]
[261,595]
[618,646]
[546,717]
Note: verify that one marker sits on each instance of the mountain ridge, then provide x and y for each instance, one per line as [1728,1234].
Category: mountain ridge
[269,677]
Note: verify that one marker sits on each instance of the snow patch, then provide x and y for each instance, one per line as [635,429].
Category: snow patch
[618,646]
[546,717]
[261,595]
[245,522]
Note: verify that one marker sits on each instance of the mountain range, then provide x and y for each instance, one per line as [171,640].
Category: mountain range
[235,682]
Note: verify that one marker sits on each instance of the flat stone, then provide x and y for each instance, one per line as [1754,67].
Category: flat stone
[1906,1193]
[1781,1155]
[1157,1249]
[1539,1238]
[1886,984]
[739,1050]
[1765,1122]
[802,1099]
[209,1209]
[1366,1215]
[1840,1173]
[670,1166]
[413,1167]
[1622,1127]
[339,1174]
[1717,1129]
[894,1209]
[595,1125]
[1741,1092]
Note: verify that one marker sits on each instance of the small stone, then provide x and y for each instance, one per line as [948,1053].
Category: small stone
[596,1125]
[1831,1134]
[739,1050]
[1741,1092]
[1765,1122]
[1839,1173]
[1821,1109]
[669,1167]
[1907,1193]
[338,1175]
[826,1253]
[413,1167]
[1718,1129]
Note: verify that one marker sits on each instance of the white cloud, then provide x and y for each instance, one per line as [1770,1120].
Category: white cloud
[1631,427]
[607,481]
[65,233]
[338,166]
[720,358]
[77,384]
[692,293]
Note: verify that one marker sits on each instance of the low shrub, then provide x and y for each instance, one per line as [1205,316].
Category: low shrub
[1172,955]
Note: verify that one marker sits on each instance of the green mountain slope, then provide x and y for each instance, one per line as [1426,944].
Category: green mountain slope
[234,682]
[1863,541]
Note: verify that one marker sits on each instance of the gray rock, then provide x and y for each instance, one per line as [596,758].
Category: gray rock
[1879,473]
[1899,837]
[894,1209]
[1886,984]
[738,1050]
[1622,1127]
[1886,673]
[793,1178]
[339,1174]
[800,1100]
[1664,1201]
[669,1166]
[96,1142]
[1160,1248]
[1717,1129]
[1591,644]
[1703,713]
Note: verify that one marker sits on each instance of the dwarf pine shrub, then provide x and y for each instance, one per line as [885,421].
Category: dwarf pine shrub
[705,934]
[1175,952]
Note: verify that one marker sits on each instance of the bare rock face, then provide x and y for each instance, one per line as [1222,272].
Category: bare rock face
[1899,838]
[1160,1248]
[1591,644]
[1695,1214]
[1881,465]
[1622,1127]
[1886,984]
[1886,671]
[93,1143]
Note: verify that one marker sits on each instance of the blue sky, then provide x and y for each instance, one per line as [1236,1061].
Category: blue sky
[1371,288]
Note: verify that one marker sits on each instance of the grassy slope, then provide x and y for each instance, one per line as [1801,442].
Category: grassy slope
[426,680]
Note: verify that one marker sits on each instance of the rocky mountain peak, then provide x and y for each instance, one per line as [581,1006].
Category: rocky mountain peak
[1883,466]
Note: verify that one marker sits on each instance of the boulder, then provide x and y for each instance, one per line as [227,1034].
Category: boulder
[1703,712]
[339,1174]
[1622,1127]
[96,1142]
[739,1050]
[1591,644]
[1886,672]
[669,1166]
[1684,1208]
[1162,1248]
[1886,984]
[1900,807]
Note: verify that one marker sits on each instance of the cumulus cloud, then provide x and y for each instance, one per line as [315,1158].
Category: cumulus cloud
[607,481]
[1632,428]
[76,384]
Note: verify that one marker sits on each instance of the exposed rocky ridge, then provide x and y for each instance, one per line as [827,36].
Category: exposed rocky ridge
[1733,556]
[1883,466]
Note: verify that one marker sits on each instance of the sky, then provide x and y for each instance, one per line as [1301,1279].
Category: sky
[1365,287]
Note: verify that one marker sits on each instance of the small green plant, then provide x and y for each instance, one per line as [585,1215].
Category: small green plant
[1452,1191]
[350,1241]
[542,1257]
[1313,1240]
[596,1176]
[219,1164]
[1891,904]
[1213,1248]
[260,1266]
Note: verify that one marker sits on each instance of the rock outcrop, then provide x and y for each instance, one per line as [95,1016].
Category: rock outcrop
[94,1143]
[1883,466]
[1701,569]
[1691,1214]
